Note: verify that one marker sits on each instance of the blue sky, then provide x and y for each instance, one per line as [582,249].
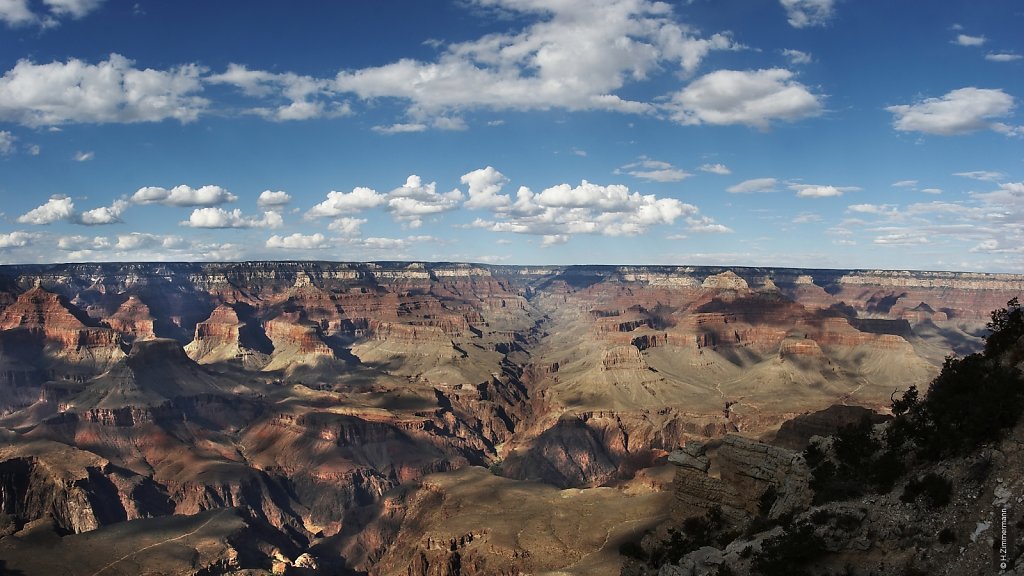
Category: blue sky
[814,133]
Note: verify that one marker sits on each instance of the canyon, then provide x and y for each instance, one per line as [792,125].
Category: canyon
[432,418]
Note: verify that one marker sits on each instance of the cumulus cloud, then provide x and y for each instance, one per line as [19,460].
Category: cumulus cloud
[410,202]
[112,91]
[720,169]
[753,185]
[754,98]
[959,112]
[183,195]
[82,243]
[221,218]
[340,203]
[16,13]
[565,210]
[650,170]
[62,209]
[56,209]
[820,190]
[485,186]
[296,97]
[83,156]
[572,55]
[905,184]
[298,242]
[19,12]
[273,200]
[965,40]
[104,214]
[807,13]
[16,240]
[7,141]
[347,226]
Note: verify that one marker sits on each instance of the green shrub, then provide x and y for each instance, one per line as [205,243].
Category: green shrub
[934,489]
[788,553]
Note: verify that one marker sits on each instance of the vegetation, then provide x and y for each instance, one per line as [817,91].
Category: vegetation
[859,464]
[934,489]
[788,553]
[974,400]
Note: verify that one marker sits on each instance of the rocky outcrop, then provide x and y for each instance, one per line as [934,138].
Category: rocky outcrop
[133,320]
[70,345]
[796,434]
[745,470]
[623,358]
[224,337]
[78,490]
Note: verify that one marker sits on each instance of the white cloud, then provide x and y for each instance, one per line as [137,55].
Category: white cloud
[103,215]
[56,209]
[19,12]
[806,13]
[796,57]
[73,8]
[16,12]
[720,169]
[983,175]
[138,241]
[16,240]
[7,141]
[932,190]
[876,209]
[34,149]
[573,56]
[565,210]
[706,225]
[408,203]
[905,184]
[83,156]
[112,91]
[273,200]
[959,112]
[340,203]
[347,226]
[654,171]
[965,40]
[485,186]
[221,218]
[754,185]
[754,98]
[183,195]
[901,239]
[553,239]
[82,243]
[294,97]
[400,128]
[1002,56]
[298,242]
[62,208]
[820,191]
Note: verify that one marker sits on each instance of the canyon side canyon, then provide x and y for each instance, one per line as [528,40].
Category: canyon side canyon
[419,419]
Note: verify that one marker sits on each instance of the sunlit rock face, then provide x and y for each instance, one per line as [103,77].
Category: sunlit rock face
[339,412]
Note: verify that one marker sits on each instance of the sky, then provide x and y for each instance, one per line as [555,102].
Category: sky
[799,133]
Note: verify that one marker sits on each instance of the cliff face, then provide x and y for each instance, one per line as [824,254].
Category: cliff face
[308,394]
